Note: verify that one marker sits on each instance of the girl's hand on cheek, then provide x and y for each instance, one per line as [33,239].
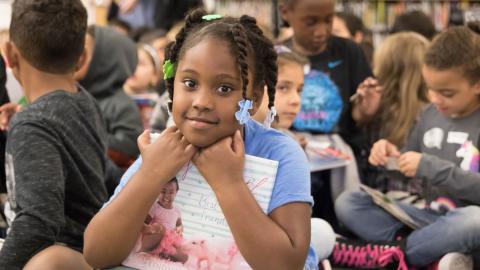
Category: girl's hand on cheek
[167,155]
[222,163]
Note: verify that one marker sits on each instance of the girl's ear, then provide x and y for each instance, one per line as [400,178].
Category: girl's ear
[476,88]
[257,98]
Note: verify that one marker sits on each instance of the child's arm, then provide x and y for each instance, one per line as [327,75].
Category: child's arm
[112,233]
[366,101]
[462,184]
[37,171]
[277,241]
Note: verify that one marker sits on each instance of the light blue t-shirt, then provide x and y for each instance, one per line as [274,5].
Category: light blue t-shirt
[293,174]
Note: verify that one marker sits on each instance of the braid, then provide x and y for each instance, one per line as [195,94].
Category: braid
[271,70]
[172,50]
[241,40]
[267,55]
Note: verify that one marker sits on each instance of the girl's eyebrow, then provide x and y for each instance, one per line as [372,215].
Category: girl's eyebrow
[227,76]
[188,70]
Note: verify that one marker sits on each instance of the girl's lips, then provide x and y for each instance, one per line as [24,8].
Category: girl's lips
[199,124]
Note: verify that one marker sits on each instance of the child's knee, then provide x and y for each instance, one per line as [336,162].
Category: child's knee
[57,257]
[346,202]
[468,221]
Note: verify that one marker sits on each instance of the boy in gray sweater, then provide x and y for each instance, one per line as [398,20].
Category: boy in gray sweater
[56,148]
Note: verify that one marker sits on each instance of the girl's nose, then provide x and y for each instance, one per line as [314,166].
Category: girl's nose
[203,100]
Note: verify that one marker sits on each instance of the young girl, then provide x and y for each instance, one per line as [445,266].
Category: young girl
[442,150]
[388,106]
[145,77]
[288,90]
[216,67]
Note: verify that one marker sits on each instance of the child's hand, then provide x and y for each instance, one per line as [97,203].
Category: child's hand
[7,110]
[166,156]
[380,152]
[366,100]
[222,163]
[408,163]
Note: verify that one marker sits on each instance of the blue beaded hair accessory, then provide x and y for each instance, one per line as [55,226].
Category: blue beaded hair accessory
[211,17]
[267,123]
[242,115]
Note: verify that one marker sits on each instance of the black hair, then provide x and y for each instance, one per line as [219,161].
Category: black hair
[245,38]
[354,24]
[121,24]
[416,21]
[50,34]
[457,47]
[174,180]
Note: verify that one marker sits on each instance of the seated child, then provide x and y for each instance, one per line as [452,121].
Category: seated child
[55,154]
[113,61]
[216,68]
[388,105]
[288,91]
[442,150]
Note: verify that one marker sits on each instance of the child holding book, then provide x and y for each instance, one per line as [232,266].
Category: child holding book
[442,150]
[55,153]
[215,73]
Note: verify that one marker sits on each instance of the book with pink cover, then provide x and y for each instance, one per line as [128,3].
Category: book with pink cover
[194,233]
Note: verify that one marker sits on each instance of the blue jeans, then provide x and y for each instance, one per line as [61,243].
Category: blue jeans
[456,231]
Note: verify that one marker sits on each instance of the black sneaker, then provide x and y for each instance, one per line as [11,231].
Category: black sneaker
[364,255]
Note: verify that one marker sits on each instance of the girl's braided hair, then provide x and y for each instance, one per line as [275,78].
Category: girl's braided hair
[246,41]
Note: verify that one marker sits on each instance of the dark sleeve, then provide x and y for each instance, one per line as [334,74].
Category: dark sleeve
[37,177]
[360,69]
[124,126]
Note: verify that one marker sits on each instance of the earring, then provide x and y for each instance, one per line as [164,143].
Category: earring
[242,115]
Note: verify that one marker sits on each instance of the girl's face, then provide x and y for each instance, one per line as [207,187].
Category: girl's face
[144,75]
[207,89]
[451,93]
[288,93]
[167,195]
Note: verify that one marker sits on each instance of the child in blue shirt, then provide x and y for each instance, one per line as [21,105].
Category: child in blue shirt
[215,74]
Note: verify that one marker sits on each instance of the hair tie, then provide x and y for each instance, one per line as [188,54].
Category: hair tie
[154,55]
[282,49]
[168,70]
[272,112]
[211,17]
[242,115]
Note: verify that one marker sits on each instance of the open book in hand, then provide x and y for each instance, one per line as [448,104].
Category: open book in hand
[194,233]
[323,155]
[390,206]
